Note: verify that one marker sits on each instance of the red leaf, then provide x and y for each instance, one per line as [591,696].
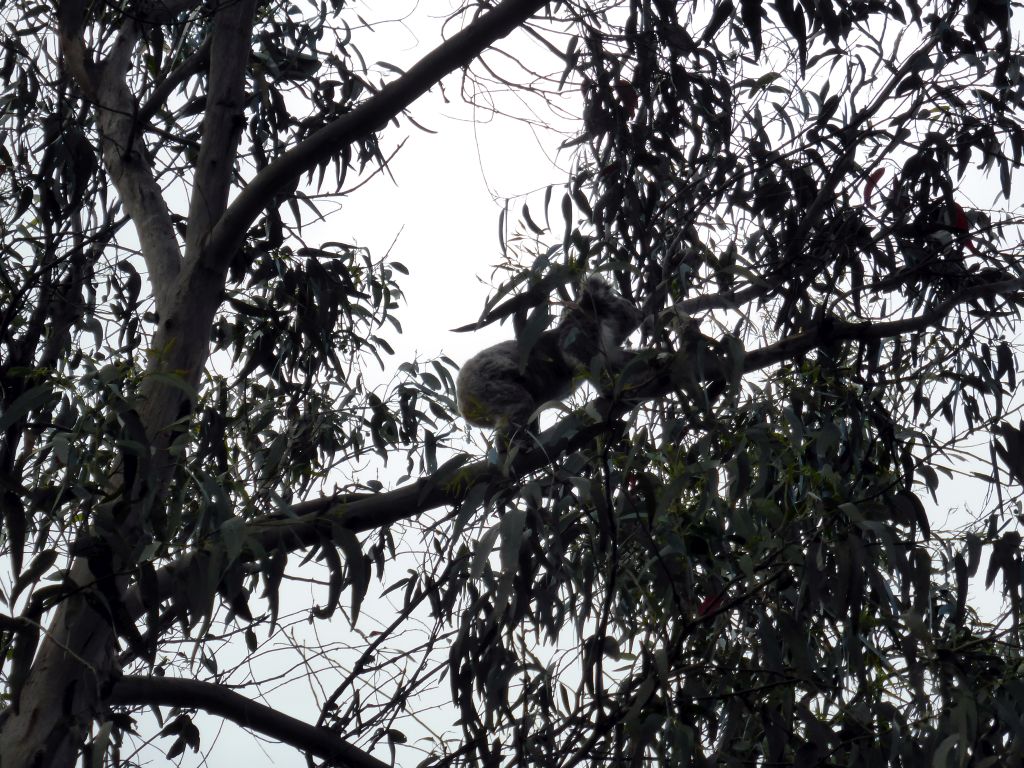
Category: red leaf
[870,184]
[709,604]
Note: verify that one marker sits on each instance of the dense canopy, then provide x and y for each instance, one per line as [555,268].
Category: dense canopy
[766,541]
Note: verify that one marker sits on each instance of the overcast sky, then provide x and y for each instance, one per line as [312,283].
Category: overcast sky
[448,188]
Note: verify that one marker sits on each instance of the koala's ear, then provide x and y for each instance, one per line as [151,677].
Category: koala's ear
[591,291]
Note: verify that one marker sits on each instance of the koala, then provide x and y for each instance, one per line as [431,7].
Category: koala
[497,388]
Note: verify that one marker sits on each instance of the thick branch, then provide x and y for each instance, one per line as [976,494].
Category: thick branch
[317,519]
[59,697]
[222,123]
[126,158]
[180,342]
[369,116]
[218,700]
[70,23]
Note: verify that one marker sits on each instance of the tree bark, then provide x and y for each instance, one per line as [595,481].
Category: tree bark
[60,698]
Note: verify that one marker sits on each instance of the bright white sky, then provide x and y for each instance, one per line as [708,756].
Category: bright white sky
[449,187]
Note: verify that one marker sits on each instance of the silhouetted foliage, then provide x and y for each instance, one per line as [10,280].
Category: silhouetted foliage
[737,552]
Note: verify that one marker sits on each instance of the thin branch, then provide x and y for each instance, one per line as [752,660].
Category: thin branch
[219,700]
[841,165]
[841,330]
[166,11]
[727,300]
[175,77]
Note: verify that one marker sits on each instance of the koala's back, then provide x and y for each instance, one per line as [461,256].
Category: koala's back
[493,390]
[496,387]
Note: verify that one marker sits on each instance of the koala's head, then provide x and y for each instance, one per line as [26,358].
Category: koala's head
[617,316]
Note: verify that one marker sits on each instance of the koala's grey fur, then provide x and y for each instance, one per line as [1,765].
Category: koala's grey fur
[496,388]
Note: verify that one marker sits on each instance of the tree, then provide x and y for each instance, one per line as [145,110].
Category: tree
[721,558]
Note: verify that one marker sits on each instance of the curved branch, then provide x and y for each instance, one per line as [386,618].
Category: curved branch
[456,52]
[224,702]
[124,154]
[191,66]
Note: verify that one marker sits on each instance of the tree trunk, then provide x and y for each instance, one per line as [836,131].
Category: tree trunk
[61,697]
